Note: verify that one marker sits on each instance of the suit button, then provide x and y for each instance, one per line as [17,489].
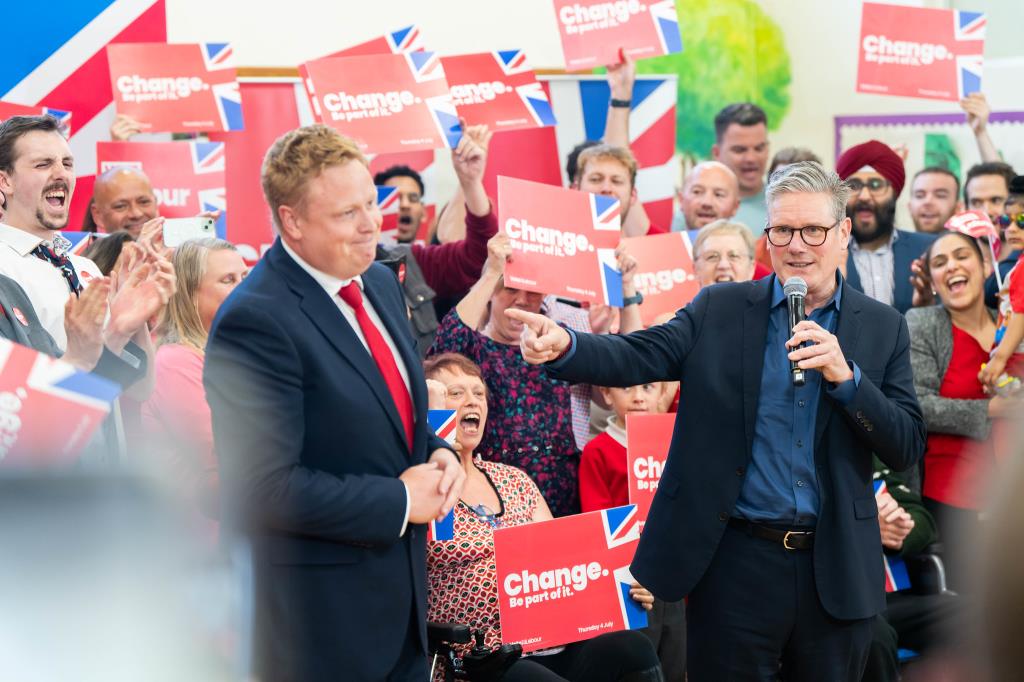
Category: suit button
[740,471]
[860,415]
[723,517]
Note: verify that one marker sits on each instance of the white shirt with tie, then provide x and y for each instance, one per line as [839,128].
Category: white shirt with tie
[332,285]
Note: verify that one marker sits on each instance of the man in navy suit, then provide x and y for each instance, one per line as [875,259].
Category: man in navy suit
[765,516]
[880,255]
[319,405]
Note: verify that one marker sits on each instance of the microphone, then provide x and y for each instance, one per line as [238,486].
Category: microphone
[795,290]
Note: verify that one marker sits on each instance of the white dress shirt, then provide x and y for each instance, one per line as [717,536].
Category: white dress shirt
[42,281]
[876,269]
[332,285]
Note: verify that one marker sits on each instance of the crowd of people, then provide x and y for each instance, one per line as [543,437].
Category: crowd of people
[237,383]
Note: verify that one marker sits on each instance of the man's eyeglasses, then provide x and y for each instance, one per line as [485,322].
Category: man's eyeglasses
[714,257]
[485,514]
[876,186]
[813,235]
[1006,219]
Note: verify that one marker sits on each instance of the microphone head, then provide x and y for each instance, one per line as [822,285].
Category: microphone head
[795,286]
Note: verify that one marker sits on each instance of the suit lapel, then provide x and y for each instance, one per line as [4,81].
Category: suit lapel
[755,330]
[847,331]
[323,313]
[852,276]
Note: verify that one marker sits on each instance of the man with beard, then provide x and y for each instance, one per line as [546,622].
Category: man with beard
[879,256]
[741,143]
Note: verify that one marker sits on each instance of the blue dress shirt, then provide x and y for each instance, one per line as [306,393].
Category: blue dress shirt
[781,485]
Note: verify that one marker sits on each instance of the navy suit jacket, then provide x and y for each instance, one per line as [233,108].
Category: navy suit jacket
[909,246]
[310,446]
[715,346]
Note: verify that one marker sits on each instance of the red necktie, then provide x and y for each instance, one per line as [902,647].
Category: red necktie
[382,355]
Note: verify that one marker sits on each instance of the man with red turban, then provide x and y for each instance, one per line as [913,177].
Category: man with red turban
[879,256]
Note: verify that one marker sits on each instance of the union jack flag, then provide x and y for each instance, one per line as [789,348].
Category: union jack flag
[71,74]
[512,61]
[406,39]
[442,423]
[580,104]
[620,525]
[387,199]
[80,241]
[424,66]
[667,22]
[537,103]
[218,56]
[207,157]
[605,212]
[969,25]
[633,615]
[896,576]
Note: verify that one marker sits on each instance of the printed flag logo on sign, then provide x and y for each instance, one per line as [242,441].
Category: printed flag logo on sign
[920,52]
[388,201]
[176,88]
[593,31]
[896,576]
[563,241]
[442,423]
[497,89]
[188,178]
[648,437]
[567,579]
[387,102]
[33,389]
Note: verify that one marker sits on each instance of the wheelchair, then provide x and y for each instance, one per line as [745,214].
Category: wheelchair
[479,664]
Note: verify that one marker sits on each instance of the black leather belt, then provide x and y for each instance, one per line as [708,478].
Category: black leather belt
[790,539]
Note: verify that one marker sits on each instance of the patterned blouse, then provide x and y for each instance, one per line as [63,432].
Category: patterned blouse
[529,418]
[461,575]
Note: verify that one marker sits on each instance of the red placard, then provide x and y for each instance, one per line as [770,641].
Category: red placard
[48,409]
[567,579]
[421,162]
[387,102]
[920,52]
[9,109]
[497,89]
[665,273]
[176,88]
[593,31]
[648,437]
[187,177]
[563,241]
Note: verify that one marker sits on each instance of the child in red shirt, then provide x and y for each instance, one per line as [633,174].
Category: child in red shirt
[603,477]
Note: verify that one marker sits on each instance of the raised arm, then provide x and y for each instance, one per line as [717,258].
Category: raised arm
[977,109]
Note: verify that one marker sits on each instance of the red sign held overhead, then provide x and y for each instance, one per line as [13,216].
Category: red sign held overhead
[497,89]
[176,88]
[563,241]
[593,31]
[567,580]
[920,52]
[665,273]
[387,102]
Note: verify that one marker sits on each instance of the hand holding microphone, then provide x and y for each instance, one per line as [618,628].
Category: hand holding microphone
[822,351]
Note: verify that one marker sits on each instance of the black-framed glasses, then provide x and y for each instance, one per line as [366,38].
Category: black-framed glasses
[1006,219]
[485,514]
[813,235]
[876,186]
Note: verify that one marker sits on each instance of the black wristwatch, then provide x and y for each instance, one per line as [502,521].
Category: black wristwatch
[621,103]
[633,300]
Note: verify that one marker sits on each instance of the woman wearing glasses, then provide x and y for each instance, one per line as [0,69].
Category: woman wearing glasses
[461,574]
[723,252]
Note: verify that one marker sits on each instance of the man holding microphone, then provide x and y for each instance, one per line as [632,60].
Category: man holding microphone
[765,516]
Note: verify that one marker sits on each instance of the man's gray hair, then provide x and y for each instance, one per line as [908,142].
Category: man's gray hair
[809,177]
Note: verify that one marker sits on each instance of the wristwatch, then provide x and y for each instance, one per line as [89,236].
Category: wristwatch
[621,103]
[633,300]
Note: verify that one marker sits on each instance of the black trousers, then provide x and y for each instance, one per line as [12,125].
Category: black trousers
[666,628]
[921,622]
[959,532]
[755,615]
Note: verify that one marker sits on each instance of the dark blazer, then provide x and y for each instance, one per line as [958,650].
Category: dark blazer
[310,446]
[715,346]
[909,246]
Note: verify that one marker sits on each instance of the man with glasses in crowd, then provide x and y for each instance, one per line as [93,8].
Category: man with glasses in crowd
[880,256]
[774,540]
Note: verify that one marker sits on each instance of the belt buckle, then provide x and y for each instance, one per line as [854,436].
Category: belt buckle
[785,538]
